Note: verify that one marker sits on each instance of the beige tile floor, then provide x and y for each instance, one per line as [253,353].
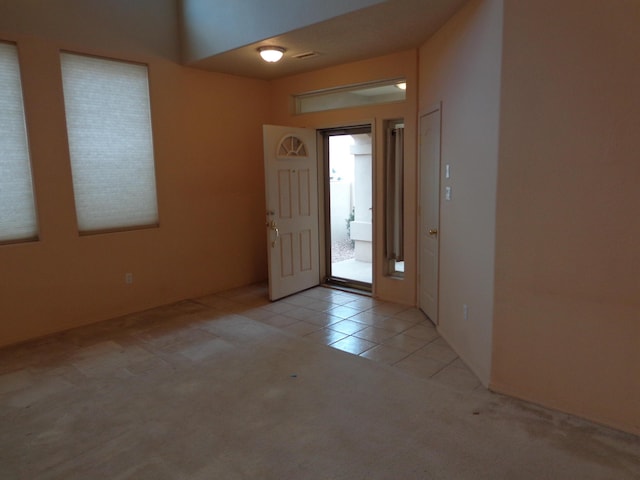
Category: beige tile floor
[396,335]
[233,386]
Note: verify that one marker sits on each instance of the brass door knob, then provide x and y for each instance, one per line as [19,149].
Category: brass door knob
[433,231]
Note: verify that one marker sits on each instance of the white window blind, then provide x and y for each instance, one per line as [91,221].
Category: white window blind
[110,142]
[17,207]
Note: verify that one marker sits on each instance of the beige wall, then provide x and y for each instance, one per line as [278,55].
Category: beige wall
[208,144]
[460,67]
[135,27]
[403,64]
[567,328]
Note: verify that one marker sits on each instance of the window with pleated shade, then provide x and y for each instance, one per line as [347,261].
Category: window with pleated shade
[18,219]
[110,143]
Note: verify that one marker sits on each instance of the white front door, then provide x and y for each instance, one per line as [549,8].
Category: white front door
[291,183]
[429,213]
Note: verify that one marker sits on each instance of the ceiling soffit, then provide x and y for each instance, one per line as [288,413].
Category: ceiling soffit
[387,27]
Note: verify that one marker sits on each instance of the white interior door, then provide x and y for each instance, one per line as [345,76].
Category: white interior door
[291,176]
[429,212]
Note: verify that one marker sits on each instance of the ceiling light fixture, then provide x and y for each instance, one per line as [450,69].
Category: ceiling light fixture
[402,85]
[271,54]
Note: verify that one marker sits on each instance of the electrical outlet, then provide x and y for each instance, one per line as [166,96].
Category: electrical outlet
[465,311]
[128,278]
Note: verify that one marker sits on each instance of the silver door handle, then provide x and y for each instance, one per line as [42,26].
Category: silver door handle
[272,225]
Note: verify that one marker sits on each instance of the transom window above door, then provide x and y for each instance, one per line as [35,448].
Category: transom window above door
[360,95]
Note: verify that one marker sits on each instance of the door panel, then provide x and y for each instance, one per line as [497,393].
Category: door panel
[306,252]
[304,202]
[292,209]
[284,193]
[429,213]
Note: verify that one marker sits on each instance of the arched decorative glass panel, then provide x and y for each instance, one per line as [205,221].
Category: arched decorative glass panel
[292,146]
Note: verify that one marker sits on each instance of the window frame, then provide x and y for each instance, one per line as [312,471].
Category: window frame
[350,96]
[29,161]
[123,228]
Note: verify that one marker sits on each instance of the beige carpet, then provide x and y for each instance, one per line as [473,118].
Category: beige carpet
[188,392]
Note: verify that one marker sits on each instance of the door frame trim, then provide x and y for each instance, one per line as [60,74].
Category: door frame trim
[324,207]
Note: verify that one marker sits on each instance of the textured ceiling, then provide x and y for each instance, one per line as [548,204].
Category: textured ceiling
[389,27]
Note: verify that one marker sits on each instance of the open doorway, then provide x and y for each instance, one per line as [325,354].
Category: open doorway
[348,170]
